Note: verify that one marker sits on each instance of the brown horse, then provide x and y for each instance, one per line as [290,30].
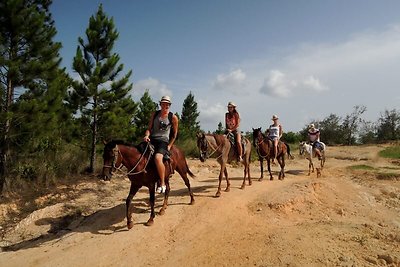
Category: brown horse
[225,153]
[142,171]
[265,150]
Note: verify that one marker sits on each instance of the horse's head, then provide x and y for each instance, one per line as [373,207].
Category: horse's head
[111,159]
[302,147]
[257,136]
[202,144]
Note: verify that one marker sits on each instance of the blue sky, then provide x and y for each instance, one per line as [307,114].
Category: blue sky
[302,60]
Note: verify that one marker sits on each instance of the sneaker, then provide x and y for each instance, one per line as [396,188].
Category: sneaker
[161,189]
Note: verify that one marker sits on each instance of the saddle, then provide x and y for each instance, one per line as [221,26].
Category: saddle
[317,145]
[167,156]
[232,140]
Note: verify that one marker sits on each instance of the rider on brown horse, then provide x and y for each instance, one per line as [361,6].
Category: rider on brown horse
[232,123]
[161,124]
[274,134]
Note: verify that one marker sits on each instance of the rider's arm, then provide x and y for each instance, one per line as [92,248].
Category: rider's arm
[175,123]
[149,127]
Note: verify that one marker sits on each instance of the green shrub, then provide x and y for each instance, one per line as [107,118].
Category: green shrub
[392,152]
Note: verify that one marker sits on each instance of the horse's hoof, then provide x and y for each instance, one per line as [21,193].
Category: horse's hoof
[150,222]
[243,186]
[129,225]
[228,189]
[218,194]
[260,179]
[161,212]
[271,179]
[192,202]
[250,183]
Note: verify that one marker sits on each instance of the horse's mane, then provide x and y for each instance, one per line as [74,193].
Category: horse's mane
[141,146]
[219,138]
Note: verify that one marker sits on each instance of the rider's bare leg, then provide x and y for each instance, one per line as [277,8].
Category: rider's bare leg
[318,153]
[239,146]
[158,158]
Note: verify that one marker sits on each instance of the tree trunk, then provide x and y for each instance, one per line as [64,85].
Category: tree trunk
[94,138]
[5,143]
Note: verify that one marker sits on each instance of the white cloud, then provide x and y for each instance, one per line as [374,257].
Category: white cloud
[314,84]
[277,84]
[233,81]
[210,115]
[155,87]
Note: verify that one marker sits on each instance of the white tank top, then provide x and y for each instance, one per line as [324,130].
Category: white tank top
[273,131]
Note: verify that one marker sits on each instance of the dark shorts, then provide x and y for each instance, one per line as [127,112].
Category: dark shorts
[318,145]
[160,147]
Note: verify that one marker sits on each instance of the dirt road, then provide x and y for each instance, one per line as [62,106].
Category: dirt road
[344,218]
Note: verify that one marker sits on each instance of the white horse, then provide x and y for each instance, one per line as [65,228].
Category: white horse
[307,149]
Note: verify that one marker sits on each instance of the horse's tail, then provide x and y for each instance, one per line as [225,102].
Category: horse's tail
[288,150]
[191,174]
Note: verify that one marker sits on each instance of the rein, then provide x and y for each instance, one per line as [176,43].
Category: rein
[139,160]
[258,148]
[215,150]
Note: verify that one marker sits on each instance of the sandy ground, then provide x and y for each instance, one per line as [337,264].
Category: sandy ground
[344,218]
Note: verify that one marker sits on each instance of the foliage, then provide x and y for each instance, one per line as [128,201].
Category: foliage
[351,123]
[188,146]
[220,129]
[292,138]
[392,152]
[388,128]
[141,121]
[188,125]
[32,85]
[361,167]
[102,99]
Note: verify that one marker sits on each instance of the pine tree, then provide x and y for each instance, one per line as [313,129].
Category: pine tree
[29,64]
[220,129]
[102,99]
[188,125]
[146,107]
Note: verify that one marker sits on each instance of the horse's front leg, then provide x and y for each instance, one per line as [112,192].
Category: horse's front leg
[310,166]
[228,184]
[269,168]
[246,172]
[281,161]
[221,173]
[152,189]
[165,203]
[262,168]
[133,190]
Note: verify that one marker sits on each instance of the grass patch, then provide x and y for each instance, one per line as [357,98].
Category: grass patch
[361,167]
[392,152]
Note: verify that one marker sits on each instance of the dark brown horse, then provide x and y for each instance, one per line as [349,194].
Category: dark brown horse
[225,152]
[265,150]
[142,171]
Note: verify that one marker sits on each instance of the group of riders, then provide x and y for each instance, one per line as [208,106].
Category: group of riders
[163,129]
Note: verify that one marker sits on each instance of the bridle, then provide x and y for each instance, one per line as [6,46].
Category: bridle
[117,153]
[258,141]
[203,147]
